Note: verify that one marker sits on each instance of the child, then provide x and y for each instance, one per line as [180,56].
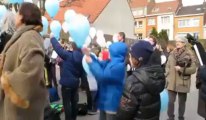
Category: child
[110,76]
[141,96]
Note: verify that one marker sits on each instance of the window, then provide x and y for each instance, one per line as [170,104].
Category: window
[165,20]
[139,37]
[151,21]
[194,22]
[138,24]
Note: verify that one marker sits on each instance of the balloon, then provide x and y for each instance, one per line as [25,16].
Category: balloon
[55,28]
[52,7]
[101,41]
[115,38]
[38,4]
[45,25]
[47,43]
[108,44]
[69,15]
[71,40]
[3,11]
[85,64]
[65,27]
[19,1]
[163,59]
[79,29]
[88,41]
[92,32]
[28,1]
[164,100]
[100,33]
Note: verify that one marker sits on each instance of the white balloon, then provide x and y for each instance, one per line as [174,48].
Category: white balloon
[115,38]
[101,41]
[163,59]
[70,39]
[3,11]
[92,32]
[69,15]
[28,1]
[100,33]
[108,44]
[65,27]
[38,4]
[88,41]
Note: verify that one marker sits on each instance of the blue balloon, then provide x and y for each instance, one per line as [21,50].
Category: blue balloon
[55,28]
[164,100]
[45,25]
[19,1]
[86,66]
[79,29]
[52,7]
[69,15]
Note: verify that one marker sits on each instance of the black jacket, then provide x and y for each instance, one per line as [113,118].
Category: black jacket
[4,38]
[141,96]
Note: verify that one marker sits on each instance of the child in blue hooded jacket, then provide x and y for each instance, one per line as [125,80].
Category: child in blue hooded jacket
[110,76]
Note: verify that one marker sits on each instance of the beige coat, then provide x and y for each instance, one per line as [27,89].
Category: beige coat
[23,93]
[174,81]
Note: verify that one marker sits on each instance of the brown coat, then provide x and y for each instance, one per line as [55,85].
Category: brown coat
[23,93]
[174,81]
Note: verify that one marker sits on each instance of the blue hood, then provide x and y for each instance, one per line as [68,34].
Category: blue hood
[118,51]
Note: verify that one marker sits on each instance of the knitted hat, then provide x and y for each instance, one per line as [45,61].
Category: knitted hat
[141,50]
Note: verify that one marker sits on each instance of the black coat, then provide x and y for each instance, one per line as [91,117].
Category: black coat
[4,38]
[201,82]
[141,96]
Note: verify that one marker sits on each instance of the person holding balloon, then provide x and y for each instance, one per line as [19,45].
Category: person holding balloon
[180,66]
[110,76]
[141,95]
[71,71]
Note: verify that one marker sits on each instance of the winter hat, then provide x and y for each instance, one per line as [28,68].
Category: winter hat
[141,50]
[180,38]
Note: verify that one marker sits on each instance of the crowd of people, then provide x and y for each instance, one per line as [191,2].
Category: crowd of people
[129,78]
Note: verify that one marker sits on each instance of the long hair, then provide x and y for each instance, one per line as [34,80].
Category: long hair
[8,23]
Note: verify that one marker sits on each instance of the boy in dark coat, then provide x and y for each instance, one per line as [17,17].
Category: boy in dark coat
[141,96]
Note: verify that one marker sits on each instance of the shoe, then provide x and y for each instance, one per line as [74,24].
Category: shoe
[92,112]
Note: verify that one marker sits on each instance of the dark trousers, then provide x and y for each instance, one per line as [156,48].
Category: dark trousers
[182,97]
[52,75]
[106,116]
[70,99]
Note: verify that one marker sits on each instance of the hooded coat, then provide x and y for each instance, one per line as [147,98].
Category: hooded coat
[110,77]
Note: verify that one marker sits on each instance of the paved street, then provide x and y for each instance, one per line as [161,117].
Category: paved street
[191,108]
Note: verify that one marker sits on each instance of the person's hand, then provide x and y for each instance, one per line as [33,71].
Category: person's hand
[86,51]
[51,35]
[177,68]
[88,59]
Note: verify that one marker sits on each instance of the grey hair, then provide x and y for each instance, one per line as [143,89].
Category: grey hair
[181,38]
[8,23]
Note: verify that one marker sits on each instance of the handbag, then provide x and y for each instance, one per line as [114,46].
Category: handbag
[53,95]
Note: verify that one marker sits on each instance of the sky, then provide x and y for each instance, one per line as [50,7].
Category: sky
[192,2]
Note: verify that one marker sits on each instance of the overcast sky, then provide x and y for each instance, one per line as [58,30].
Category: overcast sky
[192,2]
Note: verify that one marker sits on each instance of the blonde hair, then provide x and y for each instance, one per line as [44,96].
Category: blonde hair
[8,23]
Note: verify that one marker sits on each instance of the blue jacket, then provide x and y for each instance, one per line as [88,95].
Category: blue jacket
[110,77]
[71,67]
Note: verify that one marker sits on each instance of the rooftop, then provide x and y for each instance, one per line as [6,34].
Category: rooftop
[90,8]
[188,10]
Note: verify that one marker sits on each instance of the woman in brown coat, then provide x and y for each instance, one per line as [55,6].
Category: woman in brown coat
[22,90]
[180,66]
